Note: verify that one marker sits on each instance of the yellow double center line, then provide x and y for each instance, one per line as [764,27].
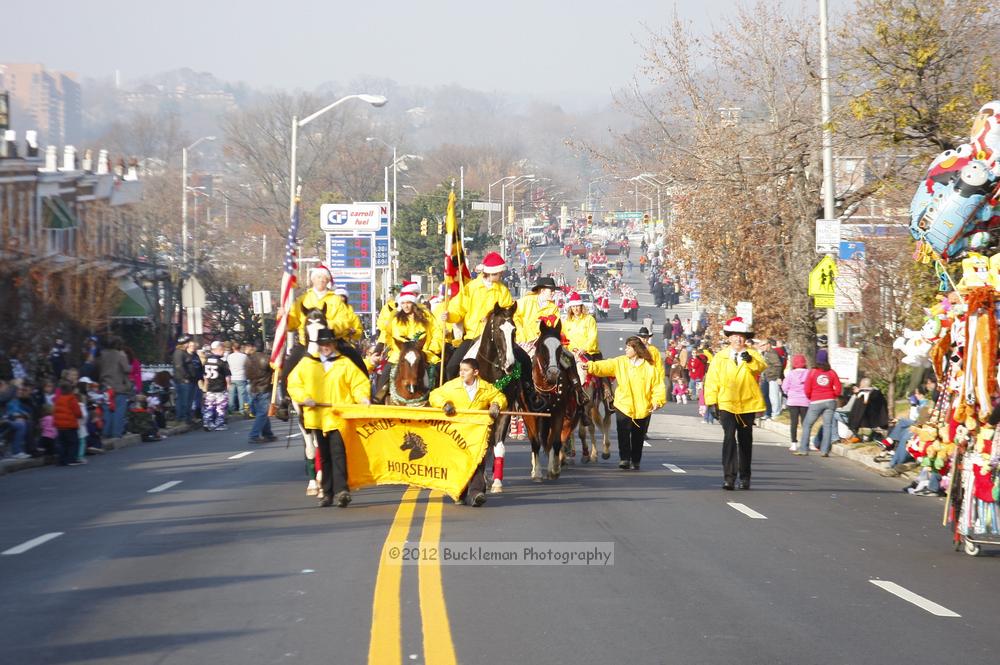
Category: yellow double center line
[385,647]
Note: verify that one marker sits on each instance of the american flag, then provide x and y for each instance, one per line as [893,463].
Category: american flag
[456,270]
[288,281]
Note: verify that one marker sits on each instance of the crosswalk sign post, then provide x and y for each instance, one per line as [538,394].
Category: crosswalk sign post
[822,283]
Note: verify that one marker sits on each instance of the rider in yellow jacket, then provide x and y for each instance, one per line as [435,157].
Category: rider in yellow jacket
[473,304]
[356,329]
[580,327]
[337,316]
[534,306]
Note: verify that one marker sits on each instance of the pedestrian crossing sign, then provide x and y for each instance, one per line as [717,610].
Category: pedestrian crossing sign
[822,278]
[824,302]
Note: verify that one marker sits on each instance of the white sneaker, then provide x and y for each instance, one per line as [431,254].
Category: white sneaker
[221,428]
[22,456]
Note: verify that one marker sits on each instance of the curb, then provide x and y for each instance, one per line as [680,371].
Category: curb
[852,451]
[127,441]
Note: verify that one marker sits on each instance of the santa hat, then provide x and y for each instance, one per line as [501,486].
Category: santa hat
[340,291]
[736,325]
[493,263]
[407,297]
[320,269]
[409,287]
[574,299]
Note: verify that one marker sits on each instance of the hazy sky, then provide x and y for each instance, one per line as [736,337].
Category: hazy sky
[521,46]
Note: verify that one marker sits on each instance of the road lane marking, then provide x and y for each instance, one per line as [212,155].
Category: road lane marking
[34,542]
[242,455]
[749,512]
[910,597]
[438,646]
[386,645]
[164,487]
[675,468]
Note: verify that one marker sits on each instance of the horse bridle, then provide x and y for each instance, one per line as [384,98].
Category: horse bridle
[495,364]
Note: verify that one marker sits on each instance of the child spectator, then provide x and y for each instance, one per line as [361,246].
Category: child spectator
[48,431]
[140,420]
[66,414]
[18,416]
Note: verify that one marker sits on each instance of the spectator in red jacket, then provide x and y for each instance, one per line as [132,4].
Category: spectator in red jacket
[66,416]
[822,387]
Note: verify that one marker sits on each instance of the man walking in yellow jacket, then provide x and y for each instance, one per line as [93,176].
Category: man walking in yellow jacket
[732,391]
[329,378]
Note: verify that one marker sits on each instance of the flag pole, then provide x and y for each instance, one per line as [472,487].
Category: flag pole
[452,231]
[281,326]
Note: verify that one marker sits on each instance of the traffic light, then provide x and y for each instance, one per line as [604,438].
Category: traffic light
[645,218]
[423,226]
[590,220]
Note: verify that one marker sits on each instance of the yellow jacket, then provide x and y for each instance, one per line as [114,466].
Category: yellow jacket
[337,318]
[410,330]
[734,387]
[474,303]
[661,372]
[581,331]
[387,312]
[442,331]
[638,391]
[343,383]
[454,391]
[354,323]
[527,315]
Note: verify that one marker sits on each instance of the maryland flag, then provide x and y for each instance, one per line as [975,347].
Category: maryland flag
[456,270]
[395,445]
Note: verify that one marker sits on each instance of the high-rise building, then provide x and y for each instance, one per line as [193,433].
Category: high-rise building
[50,102]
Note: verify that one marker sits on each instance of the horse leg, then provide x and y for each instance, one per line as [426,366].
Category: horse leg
[555,446]
[536,474]
[498,453]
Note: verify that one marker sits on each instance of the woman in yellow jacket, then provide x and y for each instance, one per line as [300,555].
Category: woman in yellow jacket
[639,392]
[329,378]
[732,392]
[473,305]
[468,392]
[411,322]
[580,328]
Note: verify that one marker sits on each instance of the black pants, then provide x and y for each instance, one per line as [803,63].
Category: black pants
[451,369]
[737,431]
[631,434]
[796,413]
[333,461]
[477,483]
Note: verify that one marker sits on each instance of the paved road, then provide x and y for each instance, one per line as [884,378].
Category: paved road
[234,564]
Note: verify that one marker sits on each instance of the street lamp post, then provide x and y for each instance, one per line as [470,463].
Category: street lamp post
[503,209]
[184,196]
[829,205]
[489,198]
[650,179]
[374,100]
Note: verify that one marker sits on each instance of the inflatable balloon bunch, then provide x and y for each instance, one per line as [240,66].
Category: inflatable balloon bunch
[955,209]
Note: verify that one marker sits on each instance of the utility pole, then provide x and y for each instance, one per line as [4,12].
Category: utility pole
[829,207]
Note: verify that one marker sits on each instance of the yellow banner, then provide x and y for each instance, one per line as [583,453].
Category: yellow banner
[390,445]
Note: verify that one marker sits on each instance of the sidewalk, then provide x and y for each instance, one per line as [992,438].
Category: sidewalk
[12,465]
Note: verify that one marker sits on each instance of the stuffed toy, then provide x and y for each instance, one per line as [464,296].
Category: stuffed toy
[914,347]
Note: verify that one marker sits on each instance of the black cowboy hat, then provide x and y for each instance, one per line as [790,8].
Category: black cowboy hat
[325,335]
[544,283]
[644,332]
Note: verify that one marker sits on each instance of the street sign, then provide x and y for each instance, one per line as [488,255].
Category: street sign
[823,277]
[193,295]
[827,236]
[844,361]
[351,218]
[744,310]
[261,302]
[486,206]
[192,317]
[824,302]
[850,278]
[851,251]
[627,214]
[347,252]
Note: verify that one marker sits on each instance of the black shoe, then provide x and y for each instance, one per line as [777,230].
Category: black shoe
[343,498]
[728,486]
[326,501]
[479,499]
[270,438]
[255,439]
[635,466]
[745,485]
[625,464]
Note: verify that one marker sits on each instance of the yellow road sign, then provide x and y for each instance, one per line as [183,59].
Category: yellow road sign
[823,277]
[824,302]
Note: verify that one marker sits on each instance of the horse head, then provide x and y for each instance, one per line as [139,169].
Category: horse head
[548,349]
[411,370]
[496,349]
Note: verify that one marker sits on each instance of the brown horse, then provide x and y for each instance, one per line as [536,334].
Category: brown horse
[408,377]
[551,378]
